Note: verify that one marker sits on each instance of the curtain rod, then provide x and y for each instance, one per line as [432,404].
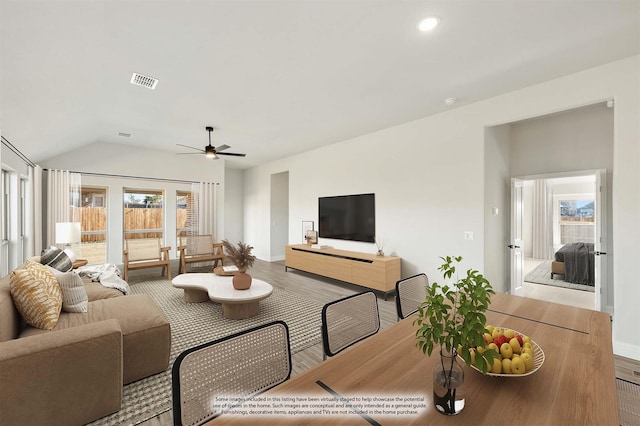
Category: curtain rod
[16,151]
[135,177]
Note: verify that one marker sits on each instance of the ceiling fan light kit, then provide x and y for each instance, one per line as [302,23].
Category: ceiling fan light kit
[210,151]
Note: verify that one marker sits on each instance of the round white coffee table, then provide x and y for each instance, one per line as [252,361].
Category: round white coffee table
[236,304]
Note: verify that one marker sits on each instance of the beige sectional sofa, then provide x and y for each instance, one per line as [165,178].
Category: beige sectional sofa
[74,373]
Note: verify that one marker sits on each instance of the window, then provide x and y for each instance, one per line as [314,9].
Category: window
[93,217]
[6,216]
[6,223]
[143,213]
[185,223]
[577,220]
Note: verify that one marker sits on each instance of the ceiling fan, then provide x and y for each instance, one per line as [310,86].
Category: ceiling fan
[210,151]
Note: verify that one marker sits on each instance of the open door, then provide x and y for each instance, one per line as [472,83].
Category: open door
[516,258]
[600,243]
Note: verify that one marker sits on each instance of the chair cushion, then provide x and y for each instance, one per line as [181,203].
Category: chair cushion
[74,295]
[37,295]
[57,259]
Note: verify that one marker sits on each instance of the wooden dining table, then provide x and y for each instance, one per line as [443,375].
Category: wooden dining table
[386,380]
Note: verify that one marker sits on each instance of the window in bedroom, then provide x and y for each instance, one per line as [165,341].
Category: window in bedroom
[93,216]
[143,213]
[577,220]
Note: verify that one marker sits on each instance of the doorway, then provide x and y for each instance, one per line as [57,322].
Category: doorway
[562,217]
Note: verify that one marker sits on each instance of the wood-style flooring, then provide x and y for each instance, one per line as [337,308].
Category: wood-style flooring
[321,290]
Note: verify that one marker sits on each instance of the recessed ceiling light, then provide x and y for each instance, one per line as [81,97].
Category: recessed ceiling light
[428,24]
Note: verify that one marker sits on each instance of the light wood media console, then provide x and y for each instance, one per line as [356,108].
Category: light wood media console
[368,270]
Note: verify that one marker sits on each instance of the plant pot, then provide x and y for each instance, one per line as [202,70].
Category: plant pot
[241,281]
[448,378]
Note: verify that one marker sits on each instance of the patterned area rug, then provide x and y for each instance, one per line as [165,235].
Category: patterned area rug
[628,406]
[196,323]
[542,275]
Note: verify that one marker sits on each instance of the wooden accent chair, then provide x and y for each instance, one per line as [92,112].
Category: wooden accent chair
[241,365]
[347,321]
[146,253]
[199,248]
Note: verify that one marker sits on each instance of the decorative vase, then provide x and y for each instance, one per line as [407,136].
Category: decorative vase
[241,280]
[380,253]
[448,378]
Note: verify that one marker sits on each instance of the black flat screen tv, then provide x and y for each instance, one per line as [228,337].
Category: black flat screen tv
[348,217]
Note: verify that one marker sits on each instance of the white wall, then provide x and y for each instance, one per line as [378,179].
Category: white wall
[125,160]
[429,179]
[497,195]
[233,205]
[279,215]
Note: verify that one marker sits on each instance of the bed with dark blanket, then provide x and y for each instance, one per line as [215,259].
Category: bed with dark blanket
[578,262]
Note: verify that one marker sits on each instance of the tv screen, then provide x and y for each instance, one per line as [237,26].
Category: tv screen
[347,217]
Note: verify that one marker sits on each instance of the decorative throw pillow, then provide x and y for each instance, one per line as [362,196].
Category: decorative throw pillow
[37,295]
[74,295]
[57,259]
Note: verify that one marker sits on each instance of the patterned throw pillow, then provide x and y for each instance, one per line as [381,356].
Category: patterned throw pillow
[74,295]
[57,259]
[37,295]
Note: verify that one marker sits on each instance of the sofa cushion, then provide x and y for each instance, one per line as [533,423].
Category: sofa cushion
[74,295]
[146,334]
[10,319]
[57,259]
[96,291]
[37,295]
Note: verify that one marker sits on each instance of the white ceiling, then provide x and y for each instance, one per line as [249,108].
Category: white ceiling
[278,77]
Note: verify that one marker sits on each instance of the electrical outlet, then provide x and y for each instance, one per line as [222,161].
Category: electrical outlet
[468,235]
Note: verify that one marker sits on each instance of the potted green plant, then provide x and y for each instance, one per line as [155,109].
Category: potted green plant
[453,318]
[240,256]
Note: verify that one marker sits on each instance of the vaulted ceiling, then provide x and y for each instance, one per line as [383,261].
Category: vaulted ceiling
[278,77]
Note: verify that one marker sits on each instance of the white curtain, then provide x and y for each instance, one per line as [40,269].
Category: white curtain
[63,200]
[202,212]
[540,243]
[34,211]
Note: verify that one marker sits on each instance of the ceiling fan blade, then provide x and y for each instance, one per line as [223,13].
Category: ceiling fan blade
[190,153]
[190,147]
[231,153]
[222,148]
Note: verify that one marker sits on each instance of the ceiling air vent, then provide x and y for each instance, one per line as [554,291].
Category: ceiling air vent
[124,135]
[144,81]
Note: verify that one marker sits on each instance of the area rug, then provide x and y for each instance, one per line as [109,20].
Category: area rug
[196,323]
[542,275]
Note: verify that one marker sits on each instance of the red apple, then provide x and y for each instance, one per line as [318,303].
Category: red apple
[500,340]
[519,337]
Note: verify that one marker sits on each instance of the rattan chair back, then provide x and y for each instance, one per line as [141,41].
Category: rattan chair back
[349,320]
[410,293]
[213,377]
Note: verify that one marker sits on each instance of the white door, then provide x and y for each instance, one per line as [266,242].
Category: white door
[516,258]
[600,243]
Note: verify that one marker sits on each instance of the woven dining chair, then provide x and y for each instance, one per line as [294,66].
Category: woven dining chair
[410,293]
[207,378]
[347,321]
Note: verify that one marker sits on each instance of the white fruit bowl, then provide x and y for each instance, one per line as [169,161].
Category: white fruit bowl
[538,360]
